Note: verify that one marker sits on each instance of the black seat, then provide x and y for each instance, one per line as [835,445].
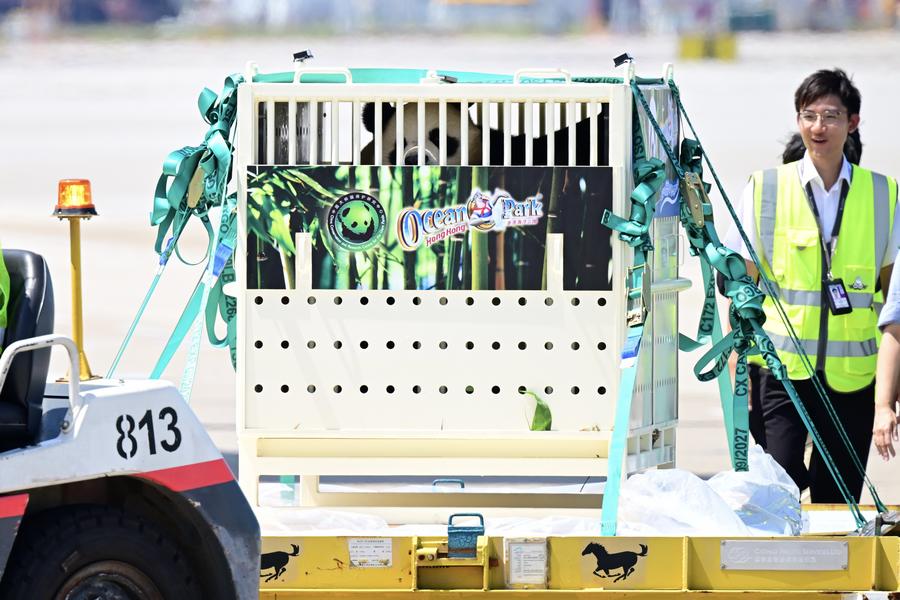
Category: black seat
[29,314]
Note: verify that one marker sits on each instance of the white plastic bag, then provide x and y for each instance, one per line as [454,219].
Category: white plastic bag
[674,502]
[765,498]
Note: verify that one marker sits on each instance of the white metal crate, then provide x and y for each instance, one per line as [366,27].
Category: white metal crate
[376,382]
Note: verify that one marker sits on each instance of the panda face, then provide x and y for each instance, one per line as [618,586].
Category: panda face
[357,221]
[431,144]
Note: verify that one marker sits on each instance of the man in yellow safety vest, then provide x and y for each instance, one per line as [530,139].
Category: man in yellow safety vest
[826,235]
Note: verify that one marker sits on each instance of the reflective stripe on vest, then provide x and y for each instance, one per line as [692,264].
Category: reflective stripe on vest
[792,259]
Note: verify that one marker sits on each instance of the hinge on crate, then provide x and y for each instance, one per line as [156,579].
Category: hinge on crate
[462,540]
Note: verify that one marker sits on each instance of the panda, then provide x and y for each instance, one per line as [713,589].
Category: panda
[357,221]
[410,133]
[559,139]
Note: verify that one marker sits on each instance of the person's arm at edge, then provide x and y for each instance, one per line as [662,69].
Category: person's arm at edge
[884,429]
[887,371]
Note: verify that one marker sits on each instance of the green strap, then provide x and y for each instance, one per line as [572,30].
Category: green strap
[650,175]
[634,231]
[226,240]
[616,454]
[747,317]
[171,246]
[221,305]
[408,76]
[703,241]
[174,206]
[770,289]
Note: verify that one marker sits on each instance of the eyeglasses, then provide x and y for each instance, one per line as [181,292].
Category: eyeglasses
[829,117]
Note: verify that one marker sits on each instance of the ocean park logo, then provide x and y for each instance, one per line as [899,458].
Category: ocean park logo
[356,222]
[483,211]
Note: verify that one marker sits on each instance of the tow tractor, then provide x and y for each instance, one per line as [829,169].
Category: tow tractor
[108,488]
[453,302]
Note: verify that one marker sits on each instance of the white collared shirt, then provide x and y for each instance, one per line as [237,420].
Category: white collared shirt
[826,203]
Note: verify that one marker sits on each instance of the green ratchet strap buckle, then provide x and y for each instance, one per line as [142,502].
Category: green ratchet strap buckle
[637,290]
[693,191]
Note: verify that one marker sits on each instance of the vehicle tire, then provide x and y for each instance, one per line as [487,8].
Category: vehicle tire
[88,552]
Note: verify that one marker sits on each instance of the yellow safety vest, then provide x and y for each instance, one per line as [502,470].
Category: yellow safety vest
[790,250]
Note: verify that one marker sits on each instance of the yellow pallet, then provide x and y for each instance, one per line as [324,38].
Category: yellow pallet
[395,567]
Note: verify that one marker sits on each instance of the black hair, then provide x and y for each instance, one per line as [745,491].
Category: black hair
[794,149]
[826,82]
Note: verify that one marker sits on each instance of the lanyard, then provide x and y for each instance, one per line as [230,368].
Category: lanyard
[828,249]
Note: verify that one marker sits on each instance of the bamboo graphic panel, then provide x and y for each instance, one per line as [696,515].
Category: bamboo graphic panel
[428,227]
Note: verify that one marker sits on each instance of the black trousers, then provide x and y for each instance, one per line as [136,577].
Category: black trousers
[785,434]
[757,424]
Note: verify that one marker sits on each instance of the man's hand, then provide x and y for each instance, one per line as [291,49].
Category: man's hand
[884,432]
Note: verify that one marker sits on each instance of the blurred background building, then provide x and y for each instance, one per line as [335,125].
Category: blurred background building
[41,17]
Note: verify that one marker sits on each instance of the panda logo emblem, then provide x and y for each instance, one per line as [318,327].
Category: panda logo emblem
[356,222]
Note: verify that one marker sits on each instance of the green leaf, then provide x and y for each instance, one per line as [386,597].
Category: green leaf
[542,418]
[277,181]
[301,177]
[277,227]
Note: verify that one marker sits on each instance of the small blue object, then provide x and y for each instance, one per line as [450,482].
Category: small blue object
[223,253]
[462,540]
[164,255]
[632,344]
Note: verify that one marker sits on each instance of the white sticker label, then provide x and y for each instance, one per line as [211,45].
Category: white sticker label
[526,561]
[370,553]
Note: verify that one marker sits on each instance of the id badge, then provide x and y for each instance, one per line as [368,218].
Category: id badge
[838,299]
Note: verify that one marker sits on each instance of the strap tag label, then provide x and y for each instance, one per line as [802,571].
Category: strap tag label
[631,348]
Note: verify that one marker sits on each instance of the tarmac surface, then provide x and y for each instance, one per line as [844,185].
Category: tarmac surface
[111,111]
